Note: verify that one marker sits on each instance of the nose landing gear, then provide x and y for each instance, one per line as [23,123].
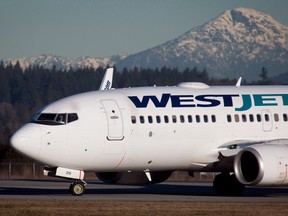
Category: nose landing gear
[77,188]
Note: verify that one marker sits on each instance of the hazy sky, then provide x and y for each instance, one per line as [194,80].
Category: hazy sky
[102,28]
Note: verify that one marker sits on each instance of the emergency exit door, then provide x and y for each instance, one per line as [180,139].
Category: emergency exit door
[267,121]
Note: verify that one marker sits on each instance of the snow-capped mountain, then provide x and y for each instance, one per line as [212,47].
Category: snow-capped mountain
[60,62]
[237,43]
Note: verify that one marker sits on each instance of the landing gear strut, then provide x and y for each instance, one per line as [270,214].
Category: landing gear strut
[77,188]
[226,184]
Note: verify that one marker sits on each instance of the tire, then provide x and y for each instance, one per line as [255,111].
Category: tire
[236,188]
[77,189]
[221,184]
[225,184]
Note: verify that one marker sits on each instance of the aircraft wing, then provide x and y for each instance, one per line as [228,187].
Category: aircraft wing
[228,152]
[233,148]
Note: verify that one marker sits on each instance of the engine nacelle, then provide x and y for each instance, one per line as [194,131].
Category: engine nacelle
[133,177]
[265,164]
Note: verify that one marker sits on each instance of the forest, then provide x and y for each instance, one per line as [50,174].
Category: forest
[23,92]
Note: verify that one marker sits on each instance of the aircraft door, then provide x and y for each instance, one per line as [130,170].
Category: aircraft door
[267,121]
[114,119]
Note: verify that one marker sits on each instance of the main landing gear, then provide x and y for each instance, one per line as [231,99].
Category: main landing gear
[227,185]
[77,188]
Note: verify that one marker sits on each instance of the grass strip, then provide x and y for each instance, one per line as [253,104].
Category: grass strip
[128,208]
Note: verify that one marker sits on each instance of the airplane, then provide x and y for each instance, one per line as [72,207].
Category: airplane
[141,135]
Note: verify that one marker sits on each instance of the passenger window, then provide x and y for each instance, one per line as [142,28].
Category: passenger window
[150,119]
[229,119]
[213,117]
[133,119]
[236,117]
[266,116]
[251,118]
[166,119]
[259,119]
[197,118]
[276,117]
[142,120]
[74,117]
[285,118]
[174,119]
[189,118]
[158,119]
[244,119]
[182,119]
[205,118]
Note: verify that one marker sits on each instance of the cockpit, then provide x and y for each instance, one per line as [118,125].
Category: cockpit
[54,118]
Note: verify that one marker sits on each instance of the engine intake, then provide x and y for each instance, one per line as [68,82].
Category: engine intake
[264,164]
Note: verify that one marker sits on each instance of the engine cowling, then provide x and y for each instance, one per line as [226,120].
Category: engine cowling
[133,177]
[265,164]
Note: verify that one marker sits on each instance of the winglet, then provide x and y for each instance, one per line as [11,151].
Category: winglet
[238,84]
[106,83]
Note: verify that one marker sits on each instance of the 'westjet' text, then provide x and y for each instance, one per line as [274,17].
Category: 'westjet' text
[209,100]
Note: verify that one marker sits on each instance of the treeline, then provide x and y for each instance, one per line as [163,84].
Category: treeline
[22,93]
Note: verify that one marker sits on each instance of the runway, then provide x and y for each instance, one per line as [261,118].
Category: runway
[167,191]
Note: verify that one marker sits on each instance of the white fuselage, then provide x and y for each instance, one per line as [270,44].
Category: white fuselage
[155,128]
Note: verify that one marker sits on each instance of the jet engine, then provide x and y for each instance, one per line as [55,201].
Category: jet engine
[263,164]
[133,177]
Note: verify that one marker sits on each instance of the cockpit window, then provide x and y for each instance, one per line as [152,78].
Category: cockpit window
[61,118]
[46,117]
[72,117]
[54,118]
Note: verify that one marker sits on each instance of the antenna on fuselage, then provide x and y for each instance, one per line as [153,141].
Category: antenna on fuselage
[238,84]
[106,83]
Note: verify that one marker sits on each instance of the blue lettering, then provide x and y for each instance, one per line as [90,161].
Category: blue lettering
[264,100]
[285,99]
[269,99]
[228,101]
[182,101]
[247,103]
[142,104]
[210,100]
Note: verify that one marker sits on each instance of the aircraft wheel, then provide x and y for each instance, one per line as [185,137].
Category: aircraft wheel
[221,183]
[225,184]
[77,188]
[236,188]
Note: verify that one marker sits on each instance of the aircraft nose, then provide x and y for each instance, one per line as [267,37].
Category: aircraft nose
[27,140]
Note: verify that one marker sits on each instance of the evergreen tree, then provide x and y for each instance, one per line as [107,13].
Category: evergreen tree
[264,76]
[23,93]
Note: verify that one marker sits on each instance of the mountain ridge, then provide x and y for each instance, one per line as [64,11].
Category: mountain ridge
[223,44]
[64,63]
[238,42]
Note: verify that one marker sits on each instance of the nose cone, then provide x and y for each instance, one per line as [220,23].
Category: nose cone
[27,140]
